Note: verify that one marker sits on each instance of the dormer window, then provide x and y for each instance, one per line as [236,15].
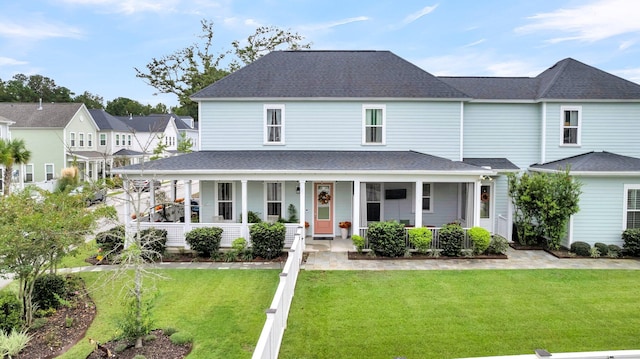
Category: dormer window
[571,120]
[273,124]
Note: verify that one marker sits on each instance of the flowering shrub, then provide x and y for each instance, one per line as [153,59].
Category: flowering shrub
[345,224]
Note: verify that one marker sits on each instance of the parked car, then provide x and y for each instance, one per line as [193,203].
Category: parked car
[90,196]
[144,185]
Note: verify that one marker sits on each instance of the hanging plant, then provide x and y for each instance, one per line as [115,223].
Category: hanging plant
[324,197]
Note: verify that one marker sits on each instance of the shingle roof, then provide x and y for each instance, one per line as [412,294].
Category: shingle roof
[151,123]
[593,162]
[330,74]
[503,88]
[27,115]
[127,152]
[88,154]
[303,161]
[492,163]
[106,121]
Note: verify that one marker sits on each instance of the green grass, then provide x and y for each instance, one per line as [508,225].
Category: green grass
[452,314]
[83,252]
[224,310]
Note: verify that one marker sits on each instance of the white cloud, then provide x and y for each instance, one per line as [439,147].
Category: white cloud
[626,44]
[418,14]
[477,64]
[629,74]
[37,29]
[7,61]
[129,7]
[474,43]
[331,24]
[591,22]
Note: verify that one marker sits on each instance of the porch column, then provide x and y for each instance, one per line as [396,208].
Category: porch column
[418,209]
[355,221]
[303,210]
[187,205]
[174,190]
[245,211]
[476,203]
[86,176]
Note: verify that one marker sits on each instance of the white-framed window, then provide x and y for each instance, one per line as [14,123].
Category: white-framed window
[49,171]
[571,125]
[427,197]
[274,124]
[117,139]
[72,139]
[373,199]
[631,213]
[224,200]
[28,172]
[103,139]
[274,200]
[374,119]
[128,140]
[81,139]
[89,139]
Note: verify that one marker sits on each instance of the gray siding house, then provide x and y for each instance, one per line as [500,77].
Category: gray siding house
[365,136]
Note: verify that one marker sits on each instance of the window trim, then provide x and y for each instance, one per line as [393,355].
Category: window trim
[80,139]
[53,171]
[117,139]
[233,200]
[625,200]
[383,140]
[265,126]
[267,201]
[564,109]
[89,139]
[430,210]
[72,139]
[102,138]
[27,172]
[128,140]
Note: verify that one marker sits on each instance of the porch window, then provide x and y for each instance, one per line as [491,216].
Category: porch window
[374,204]
[28,173]
[225,200]
[103,139]
[89,139]
[632,206]
[72,139]
[81,139]
[274,201]
[571,119]
[274,124]
[48,171]
[427,198]
[374,119]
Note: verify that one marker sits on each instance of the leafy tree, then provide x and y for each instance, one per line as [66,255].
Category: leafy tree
[22,88]
[35,234]
[90,100]
[543,204]
[161,146]
[196,66]
[123,106]
[12,152]
[185,144]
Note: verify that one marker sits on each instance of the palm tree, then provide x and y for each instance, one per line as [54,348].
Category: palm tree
[12,152]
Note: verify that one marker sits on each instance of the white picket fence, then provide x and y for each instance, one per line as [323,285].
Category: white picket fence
[268,345]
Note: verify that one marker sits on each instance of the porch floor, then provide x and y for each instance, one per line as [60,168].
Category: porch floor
[337,244]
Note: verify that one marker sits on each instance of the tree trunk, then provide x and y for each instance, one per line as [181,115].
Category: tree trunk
[7,180]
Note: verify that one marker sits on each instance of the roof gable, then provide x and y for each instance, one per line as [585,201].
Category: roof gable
[151,123]
[330,74]
[32,115]
[593,162]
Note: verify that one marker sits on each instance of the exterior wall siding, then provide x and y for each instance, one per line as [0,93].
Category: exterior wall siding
[445,205]
[82,123]
[430,127]
[503,130]
[611,127]
[46,146]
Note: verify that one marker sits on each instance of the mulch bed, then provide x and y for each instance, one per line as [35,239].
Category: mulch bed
[418,256]
[158,348]
[562,253]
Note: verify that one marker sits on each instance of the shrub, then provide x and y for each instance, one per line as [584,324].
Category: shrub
[358,242]
[481,238]
[10,312]
[602,248]
[581,248]
[594,252]
[267,239]
[12,343]
[48,289]
[204,240]
[451,237]
[387,238]
[498,245]
[181,338]
[154,241]
[253,217]
[239,244]
[111,241]
[168,331]
[614,251]
[631,242]
[420,238]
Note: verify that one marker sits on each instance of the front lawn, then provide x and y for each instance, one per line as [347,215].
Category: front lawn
[452,314]
[224,310]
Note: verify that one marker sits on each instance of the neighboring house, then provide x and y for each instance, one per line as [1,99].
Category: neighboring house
[58,135]
[116,140]
[148,131]
[5,134]
[365,136]
[187,126]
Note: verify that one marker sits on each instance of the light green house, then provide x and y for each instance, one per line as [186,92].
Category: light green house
[58,135]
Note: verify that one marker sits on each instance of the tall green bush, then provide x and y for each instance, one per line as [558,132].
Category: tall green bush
[480,237]
[10,312]
[498,245]
[154,242]
[48,289]
[387,238]
[631,242]
[358,242]
[420,238]
[451,237]
[111,241]
[205,240]
[267,239]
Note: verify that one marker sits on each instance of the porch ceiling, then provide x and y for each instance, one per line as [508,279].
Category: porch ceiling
[277,161]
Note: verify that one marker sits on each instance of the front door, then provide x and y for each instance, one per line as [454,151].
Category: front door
[486,207]
[323,221]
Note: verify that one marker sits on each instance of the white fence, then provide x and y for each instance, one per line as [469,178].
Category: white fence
[503,227]
[268,345]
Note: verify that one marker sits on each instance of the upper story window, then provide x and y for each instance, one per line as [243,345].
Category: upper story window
[81,139]
[373,120]
[117,139]
[128,140]
[89,139]
[571,120]
[103,139]
[274,124]
[72,139]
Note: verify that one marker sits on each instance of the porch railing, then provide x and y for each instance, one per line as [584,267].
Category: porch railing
[435,241]
[502,227]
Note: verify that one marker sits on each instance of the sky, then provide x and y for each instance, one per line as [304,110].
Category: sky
[95,45]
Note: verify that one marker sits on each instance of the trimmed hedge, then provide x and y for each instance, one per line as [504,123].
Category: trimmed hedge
[420,238]
[603,249]
[481,238]
[204,240]
[451,237]
[387,239]
[267,239]
[498,245]
[581,248]
[46,288]
[631,242]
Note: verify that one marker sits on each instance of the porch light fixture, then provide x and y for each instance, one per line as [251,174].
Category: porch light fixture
[486,178]
[298,190]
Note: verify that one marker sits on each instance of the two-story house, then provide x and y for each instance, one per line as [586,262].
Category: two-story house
[58,135]
[365,136]
[5,134]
